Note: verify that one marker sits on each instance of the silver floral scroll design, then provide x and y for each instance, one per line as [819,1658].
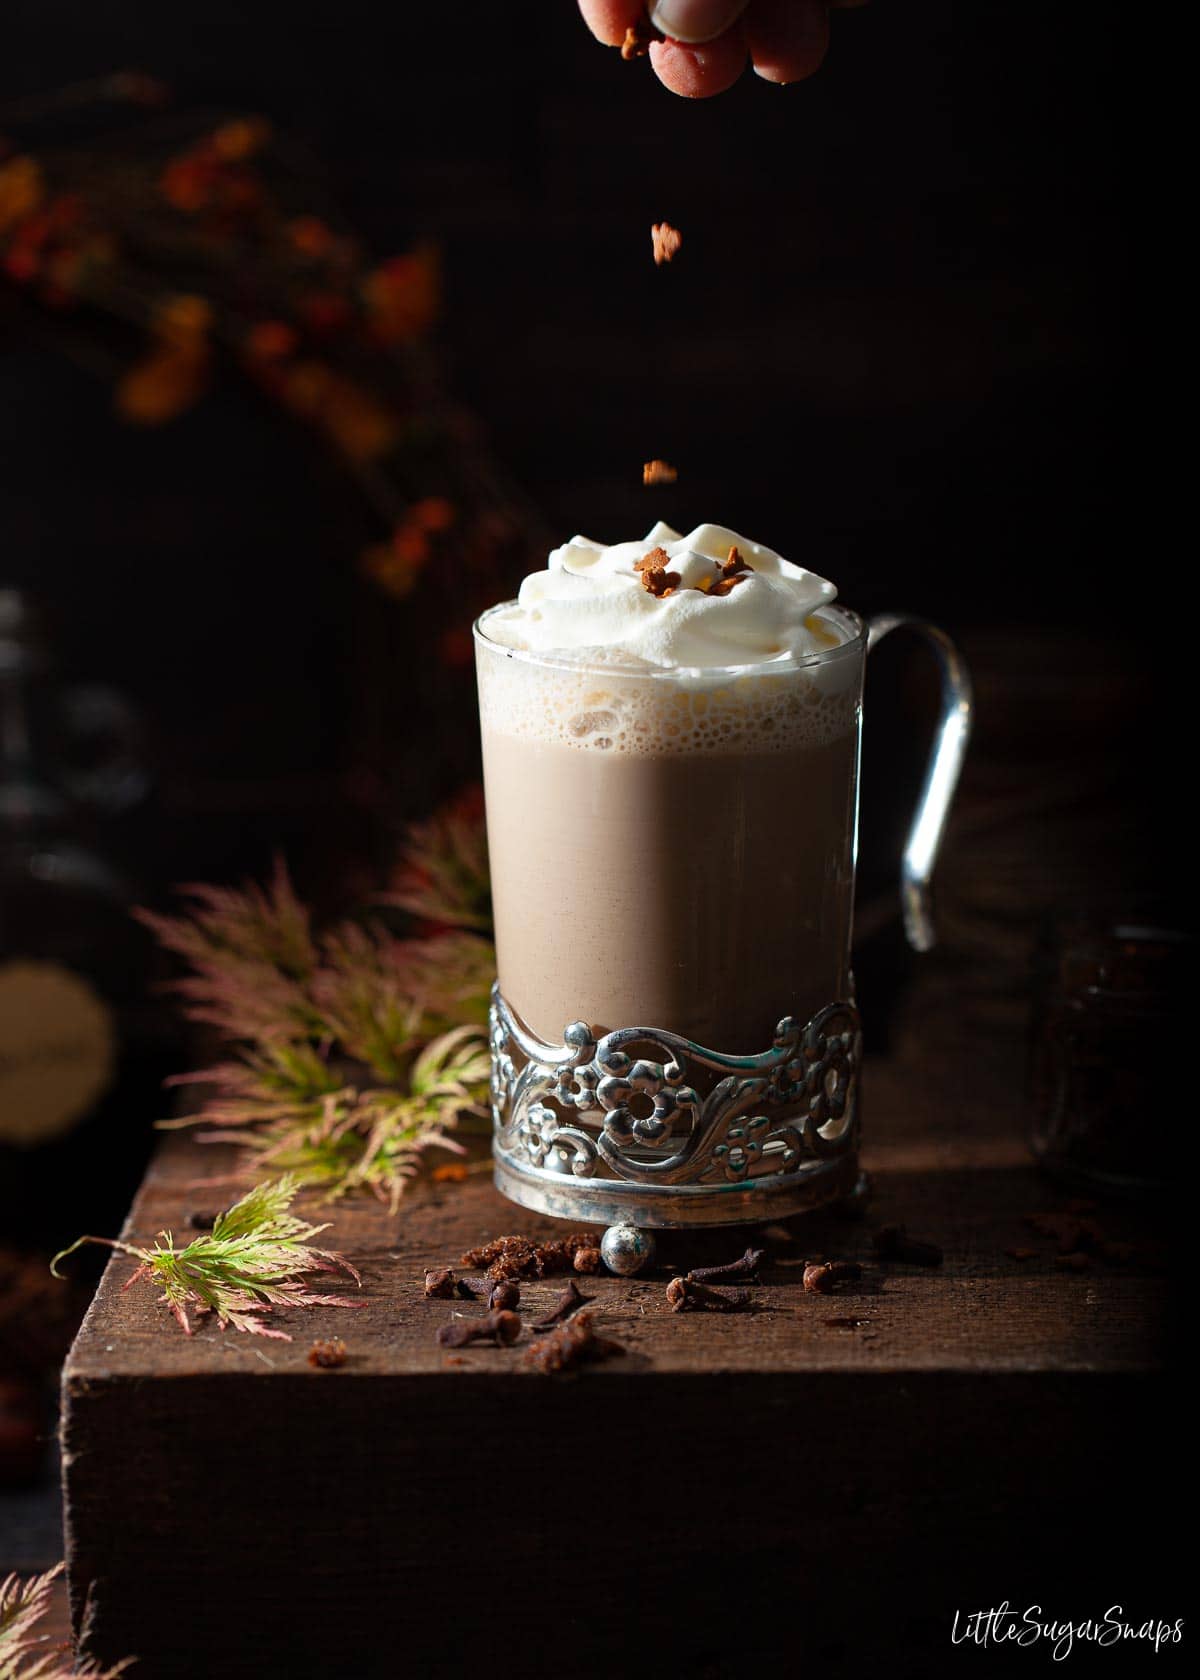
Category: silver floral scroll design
[593,1109]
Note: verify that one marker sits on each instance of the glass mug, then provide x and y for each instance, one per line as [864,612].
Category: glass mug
[674,1035]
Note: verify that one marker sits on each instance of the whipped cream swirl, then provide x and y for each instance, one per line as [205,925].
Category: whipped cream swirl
[591,597]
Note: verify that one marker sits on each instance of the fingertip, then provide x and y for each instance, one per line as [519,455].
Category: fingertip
[609,19]
[788,39]
[699,72]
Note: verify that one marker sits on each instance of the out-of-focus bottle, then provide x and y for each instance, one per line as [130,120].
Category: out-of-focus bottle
[75,1070]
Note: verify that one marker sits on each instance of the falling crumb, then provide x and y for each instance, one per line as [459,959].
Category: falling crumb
[666,240]
[638,38]
[327,1356]
[658,472]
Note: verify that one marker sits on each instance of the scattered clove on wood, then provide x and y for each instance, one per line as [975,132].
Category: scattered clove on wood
[504,1297]
[439,1282]
[821,1277]
[571,1344]
[464,1290]
[328,1355]
[684,1295]
[746,1268]
[499,1328]
[892,1242]
[568,1302]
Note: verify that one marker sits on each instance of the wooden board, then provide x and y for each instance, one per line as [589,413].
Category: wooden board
[723,1494]
[737,1491]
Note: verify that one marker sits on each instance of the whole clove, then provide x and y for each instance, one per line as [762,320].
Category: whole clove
[746,1267]
[500,1328]
[439,1282]
[464,1290]
[568,1302]
[821,1277]
[569,1345]
[504,1296]
[892,1242]
[684,1295]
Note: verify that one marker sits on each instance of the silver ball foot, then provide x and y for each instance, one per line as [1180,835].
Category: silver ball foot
[625,1250]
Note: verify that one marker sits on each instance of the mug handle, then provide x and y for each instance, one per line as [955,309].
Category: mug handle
[941,773]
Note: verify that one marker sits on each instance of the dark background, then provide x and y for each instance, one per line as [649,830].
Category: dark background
[893,347]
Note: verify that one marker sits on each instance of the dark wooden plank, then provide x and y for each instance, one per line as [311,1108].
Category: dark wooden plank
[737,1490]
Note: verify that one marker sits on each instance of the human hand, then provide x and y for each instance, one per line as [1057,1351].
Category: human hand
[708,40]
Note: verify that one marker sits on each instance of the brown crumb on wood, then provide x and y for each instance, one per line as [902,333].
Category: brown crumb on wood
[328,1355]
[587,1260]
[451,1172]
[658,472]
[1021,1253]
[518,1256]
[821,1277]
[439,1283]
[666,241]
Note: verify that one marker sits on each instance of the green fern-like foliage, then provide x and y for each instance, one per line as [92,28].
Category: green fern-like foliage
[23,1651]
[356,1050]
[258,1255]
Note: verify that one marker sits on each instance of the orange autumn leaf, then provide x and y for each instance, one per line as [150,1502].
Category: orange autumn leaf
[240,139]
[270,341]
[432,513]
[402,295]
[360,426]
[21,189]
[167,382]
[183,318]
[187,182]
[396,574]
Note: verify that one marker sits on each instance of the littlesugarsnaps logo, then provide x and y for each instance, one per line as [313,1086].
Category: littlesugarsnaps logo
[1033,1626]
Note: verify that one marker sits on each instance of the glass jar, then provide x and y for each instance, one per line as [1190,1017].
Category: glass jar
[1107,1018]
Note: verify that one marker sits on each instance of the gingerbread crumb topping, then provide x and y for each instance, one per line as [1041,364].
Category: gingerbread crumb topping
[656,579]
[666,241]
[658,472]
[733,571]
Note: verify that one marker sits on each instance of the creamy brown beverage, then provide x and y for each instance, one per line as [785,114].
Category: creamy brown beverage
[670,770]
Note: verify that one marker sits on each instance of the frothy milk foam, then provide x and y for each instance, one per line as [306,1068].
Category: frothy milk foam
[670,790]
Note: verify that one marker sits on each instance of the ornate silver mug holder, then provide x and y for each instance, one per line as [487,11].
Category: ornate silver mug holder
[640,1129]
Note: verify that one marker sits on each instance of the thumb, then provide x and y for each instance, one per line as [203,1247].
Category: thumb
[692,21]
